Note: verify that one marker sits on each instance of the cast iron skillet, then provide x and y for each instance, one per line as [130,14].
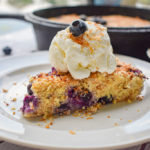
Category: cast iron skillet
[12,16]
[128,41]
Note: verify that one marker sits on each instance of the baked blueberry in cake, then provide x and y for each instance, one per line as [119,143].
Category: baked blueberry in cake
[85,74]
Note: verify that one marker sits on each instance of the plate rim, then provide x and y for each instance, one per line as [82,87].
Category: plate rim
[34,144]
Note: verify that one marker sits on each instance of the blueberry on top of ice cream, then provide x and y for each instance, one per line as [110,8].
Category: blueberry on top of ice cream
[78,27]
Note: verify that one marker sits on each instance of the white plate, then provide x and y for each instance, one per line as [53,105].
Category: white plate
[98,133]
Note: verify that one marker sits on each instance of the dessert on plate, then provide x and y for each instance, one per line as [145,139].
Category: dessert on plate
[85,74]
[114,20]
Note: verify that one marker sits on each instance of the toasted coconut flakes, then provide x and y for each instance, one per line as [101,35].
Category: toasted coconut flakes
[72,132]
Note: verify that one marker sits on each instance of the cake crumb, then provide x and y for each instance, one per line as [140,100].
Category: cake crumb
[129,101]
[121,119]
[72,132]
[38,124]
[115,124]
[14,83]
[51,123]
[14,99]
[47,126]
[42,119]
[138,110]
[13,108]
[14,113]
[76,113]
[140,98]
[129,120]
[4,90]
[89,118]
[108,116]
[114,101]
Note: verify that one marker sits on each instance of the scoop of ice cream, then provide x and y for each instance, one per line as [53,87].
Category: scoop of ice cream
[82,53]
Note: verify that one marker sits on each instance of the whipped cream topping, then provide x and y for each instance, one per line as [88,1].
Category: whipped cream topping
[81,55]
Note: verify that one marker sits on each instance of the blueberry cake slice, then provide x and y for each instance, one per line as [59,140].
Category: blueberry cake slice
[59,93]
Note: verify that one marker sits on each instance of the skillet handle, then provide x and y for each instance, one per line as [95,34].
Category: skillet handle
[13,16]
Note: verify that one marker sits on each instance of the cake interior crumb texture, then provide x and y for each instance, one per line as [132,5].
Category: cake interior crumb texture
[58,93]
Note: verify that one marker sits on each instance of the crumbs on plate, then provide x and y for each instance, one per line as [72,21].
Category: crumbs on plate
[14,99]
[129,120]
[72,132]
[13,108]
[138,110]
[116,124]
[47,126]
[14,83]
[140,98]
[89,118]
[108,116]
[4,90]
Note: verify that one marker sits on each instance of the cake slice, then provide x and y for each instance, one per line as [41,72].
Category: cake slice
[59,93]
[85,74]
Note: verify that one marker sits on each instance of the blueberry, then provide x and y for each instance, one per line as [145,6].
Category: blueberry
[7,50]
[71,93]
[26,104]
[78,27]
[135,71]
[30,92]
[83,17]
[78,98]
[98,19]
[105,100]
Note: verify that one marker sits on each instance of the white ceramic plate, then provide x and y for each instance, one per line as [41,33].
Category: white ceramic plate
[133,119]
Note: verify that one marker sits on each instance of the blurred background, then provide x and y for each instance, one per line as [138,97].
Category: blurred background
[19,35]
[24,6]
